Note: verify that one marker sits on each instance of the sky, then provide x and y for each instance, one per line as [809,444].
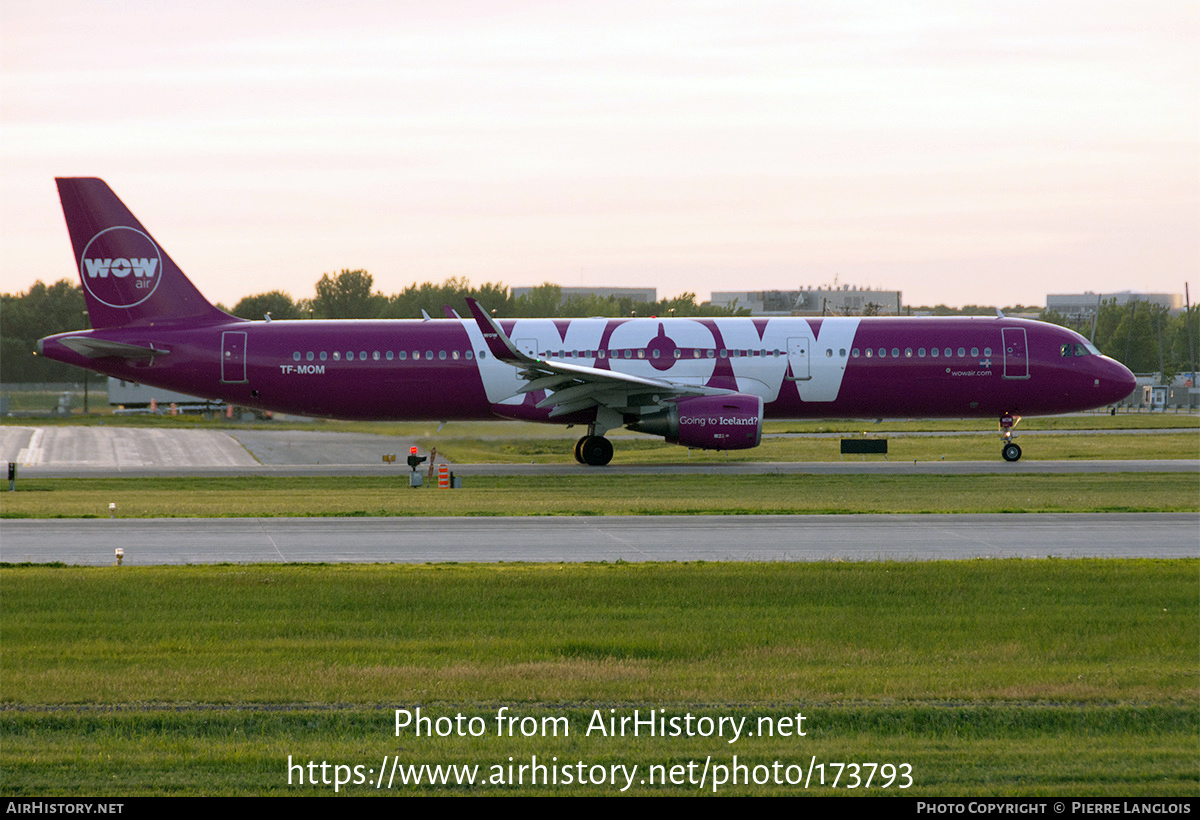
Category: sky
[962,153]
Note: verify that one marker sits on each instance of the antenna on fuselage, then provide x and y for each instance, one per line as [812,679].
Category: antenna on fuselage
[1000,314]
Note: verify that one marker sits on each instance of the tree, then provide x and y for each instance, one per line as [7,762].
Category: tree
[543,301]
[26,317]
[277,303]
[348,296]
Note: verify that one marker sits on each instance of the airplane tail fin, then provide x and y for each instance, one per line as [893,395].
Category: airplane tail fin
[127,278]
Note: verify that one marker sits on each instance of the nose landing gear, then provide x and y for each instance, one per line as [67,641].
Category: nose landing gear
[1011,450]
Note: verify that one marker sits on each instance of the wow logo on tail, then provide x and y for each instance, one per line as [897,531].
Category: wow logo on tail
[121,267]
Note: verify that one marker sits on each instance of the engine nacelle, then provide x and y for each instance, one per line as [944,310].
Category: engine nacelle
[732,422]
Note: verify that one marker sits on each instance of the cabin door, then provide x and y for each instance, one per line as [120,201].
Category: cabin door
[1016,354]
[233,356]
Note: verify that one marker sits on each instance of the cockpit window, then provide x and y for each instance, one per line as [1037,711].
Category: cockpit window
[1077,349]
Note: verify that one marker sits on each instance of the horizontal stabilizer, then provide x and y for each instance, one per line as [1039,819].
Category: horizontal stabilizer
[102,348]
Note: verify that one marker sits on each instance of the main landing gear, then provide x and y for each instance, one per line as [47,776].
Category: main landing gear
[595,451]
[1011,450]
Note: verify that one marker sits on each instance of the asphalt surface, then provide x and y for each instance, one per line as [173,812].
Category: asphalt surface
[61,452]
[602,538]
[101,451]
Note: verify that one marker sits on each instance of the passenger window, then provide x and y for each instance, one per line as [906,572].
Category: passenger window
[390,355]
[337,356]
[947,353]
[895,353]
[470,355]
[454,355]
[375,355]
[934,353]
[908,352]
[854,353]
[403,354]
[962,352]
[349,355]
[324,355]
[296,356]
[987,351]
[442,355]
[920,353]
[974,351]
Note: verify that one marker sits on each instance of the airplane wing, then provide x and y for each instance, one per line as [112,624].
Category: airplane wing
[572,387]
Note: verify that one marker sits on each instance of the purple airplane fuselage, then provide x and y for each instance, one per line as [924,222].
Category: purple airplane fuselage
[701,382]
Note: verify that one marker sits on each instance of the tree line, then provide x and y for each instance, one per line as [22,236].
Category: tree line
[1143,336]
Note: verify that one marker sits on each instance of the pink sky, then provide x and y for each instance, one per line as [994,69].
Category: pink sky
[959,152]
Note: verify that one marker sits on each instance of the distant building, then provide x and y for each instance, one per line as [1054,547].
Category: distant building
[1083,305]
[636,294]
[843,301]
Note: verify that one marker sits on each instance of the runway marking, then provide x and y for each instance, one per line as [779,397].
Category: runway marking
[34,453]
[620,540]
[269,538]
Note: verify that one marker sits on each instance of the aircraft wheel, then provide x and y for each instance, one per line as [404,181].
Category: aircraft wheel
[579,450]
[596,450]
[1011,452]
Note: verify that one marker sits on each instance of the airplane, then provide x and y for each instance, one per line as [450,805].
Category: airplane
[701,383]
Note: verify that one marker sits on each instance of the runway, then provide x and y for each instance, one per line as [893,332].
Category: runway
[67,452]
[603,538]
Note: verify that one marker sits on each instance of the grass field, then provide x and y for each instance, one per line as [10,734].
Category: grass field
[1037,678]
[984,677]
[601,495]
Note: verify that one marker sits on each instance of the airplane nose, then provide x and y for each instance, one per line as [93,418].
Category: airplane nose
[1115,382]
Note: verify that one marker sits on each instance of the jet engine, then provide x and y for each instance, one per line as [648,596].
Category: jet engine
[732,422]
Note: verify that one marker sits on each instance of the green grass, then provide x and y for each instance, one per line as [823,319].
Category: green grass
[600,495]
[988,677]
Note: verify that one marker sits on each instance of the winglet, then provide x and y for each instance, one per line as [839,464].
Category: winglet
[497,340]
